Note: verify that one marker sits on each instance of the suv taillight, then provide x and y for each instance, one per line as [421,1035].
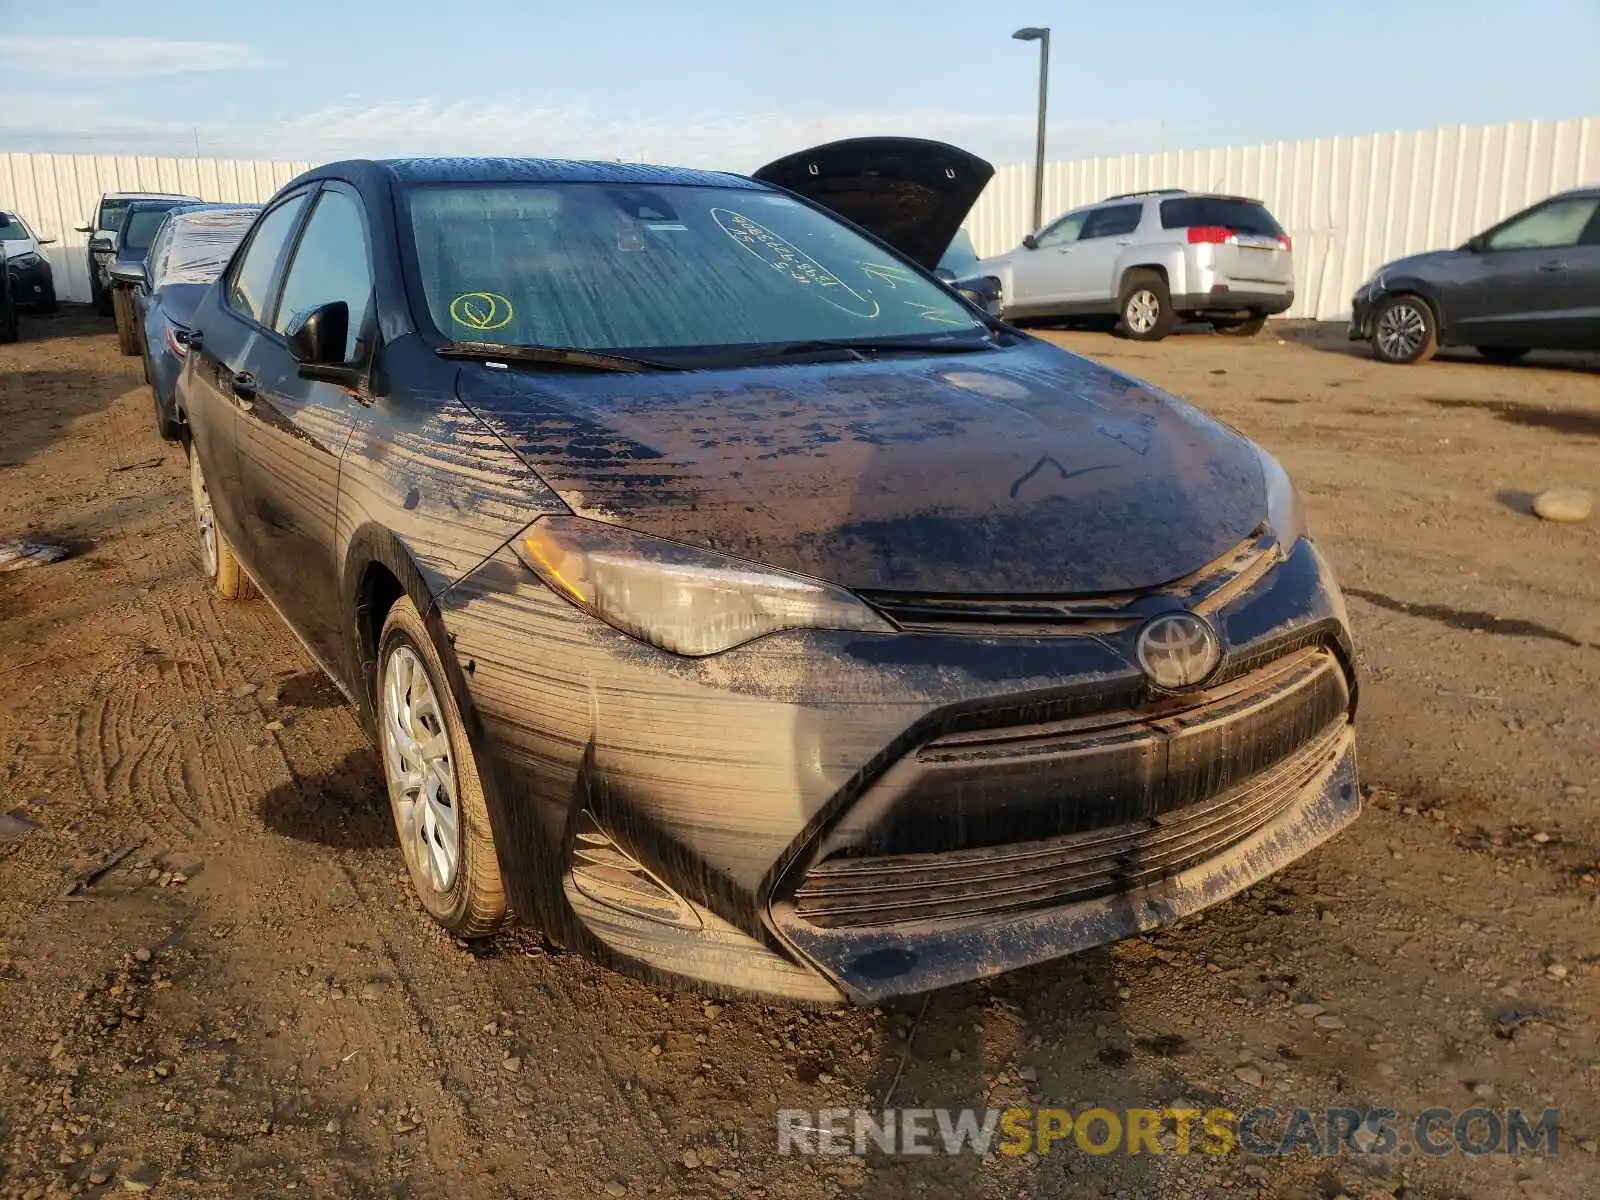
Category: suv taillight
[1209,235]
[1286,241]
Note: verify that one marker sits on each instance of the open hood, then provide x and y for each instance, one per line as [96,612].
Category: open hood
[910,192]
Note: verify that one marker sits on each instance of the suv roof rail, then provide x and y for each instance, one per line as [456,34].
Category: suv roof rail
[1147,192]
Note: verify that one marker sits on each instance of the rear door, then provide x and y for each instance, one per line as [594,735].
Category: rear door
[1090,277]
[908,192]
[293,432]
[1539,280]
[219,382]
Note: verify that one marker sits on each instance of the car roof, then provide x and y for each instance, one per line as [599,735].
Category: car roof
[147,196]
[521,170]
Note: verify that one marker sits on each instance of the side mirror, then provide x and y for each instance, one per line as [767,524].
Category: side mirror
[131,274]
[100,242]
[1031,242]
[1477,244]
[317,341]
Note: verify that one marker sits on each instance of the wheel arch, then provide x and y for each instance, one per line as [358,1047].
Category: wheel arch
[378,570]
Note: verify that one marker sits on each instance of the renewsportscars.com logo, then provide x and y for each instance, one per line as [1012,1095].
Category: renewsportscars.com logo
[1265,1132]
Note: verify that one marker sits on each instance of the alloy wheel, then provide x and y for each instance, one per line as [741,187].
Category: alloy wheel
[419,769]
[204,516]
[1142,311]
[1402,330]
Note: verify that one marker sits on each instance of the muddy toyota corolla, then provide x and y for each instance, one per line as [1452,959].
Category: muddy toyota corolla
[732,599]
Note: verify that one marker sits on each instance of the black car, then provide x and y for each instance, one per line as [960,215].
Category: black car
[1531,282]
[32,282]
[141,220]
[731,598]
[10,326]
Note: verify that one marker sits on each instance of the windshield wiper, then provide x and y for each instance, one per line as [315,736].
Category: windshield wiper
[556,356]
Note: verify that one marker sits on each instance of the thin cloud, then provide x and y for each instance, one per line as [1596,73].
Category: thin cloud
[126,56]
[726,141]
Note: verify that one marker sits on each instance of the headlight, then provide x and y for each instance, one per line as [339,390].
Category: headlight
[29,259]
[680,598]
[1284,511]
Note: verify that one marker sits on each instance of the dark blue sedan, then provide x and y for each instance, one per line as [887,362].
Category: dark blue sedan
[187,252]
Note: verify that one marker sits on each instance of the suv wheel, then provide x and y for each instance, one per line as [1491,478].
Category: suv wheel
[1248,327]
[1146,308]
[127,322]
[98,296]
[434,789]
[1404,331]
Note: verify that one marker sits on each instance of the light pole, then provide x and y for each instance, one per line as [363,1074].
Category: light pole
[1042,36]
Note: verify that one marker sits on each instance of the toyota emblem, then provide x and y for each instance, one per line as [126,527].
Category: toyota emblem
[1178,650]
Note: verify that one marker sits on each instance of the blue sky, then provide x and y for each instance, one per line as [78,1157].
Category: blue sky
[734,84]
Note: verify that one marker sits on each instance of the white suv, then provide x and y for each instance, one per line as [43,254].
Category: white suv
[1149,260]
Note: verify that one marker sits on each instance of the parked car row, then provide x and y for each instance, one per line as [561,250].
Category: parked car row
[728,592]
[1145,262]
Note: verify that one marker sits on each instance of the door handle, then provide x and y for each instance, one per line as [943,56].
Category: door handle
[1124,241]
[1557,265]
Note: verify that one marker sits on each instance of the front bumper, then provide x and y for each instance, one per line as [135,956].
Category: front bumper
[1361,306]
[673,816]
[33,286]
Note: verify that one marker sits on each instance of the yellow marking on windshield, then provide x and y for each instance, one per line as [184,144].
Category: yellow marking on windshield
[789,259]
[886,273]
[929,312]
[482,311]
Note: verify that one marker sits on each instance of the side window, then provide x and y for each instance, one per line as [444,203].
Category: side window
[1552,226]
[156,258]
[330,263]
[1112,222]
[248,285]
[1063,231]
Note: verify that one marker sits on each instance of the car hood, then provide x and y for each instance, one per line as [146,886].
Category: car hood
[1023,470]
[909,192]
[1428,261]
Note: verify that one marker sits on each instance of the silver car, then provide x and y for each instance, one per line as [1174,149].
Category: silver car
[1149,260]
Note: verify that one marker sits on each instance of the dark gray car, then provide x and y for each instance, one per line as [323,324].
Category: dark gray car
[1531,282]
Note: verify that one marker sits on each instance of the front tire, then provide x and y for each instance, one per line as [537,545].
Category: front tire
[98,296]
[435,791]
[217,559]
[1146,308]
[127,325]
[1504,355]
[1404,331]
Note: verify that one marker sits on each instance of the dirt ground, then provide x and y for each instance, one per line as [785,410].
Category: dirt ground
[214,983]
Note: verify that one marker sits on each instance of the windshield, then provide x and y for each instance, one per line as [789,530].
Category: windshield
[960,259]
[141,228]
[199,245]
[599,266]
[111,214]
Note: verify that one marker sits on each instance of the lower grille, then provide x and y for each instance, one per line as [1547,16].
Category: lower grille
[855,892]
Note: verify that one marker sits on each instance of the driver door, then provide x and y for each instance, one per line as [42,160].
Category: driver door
[1042,277]
[1537,280]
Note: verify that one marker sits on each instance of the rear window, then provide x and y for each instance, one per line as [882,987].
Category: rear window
[1242,216]
[12,229]
[139,228]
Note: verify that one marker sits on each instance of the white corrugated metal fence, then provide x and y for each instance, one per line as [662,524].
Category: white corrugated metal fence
[57,192]
[1351,203]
